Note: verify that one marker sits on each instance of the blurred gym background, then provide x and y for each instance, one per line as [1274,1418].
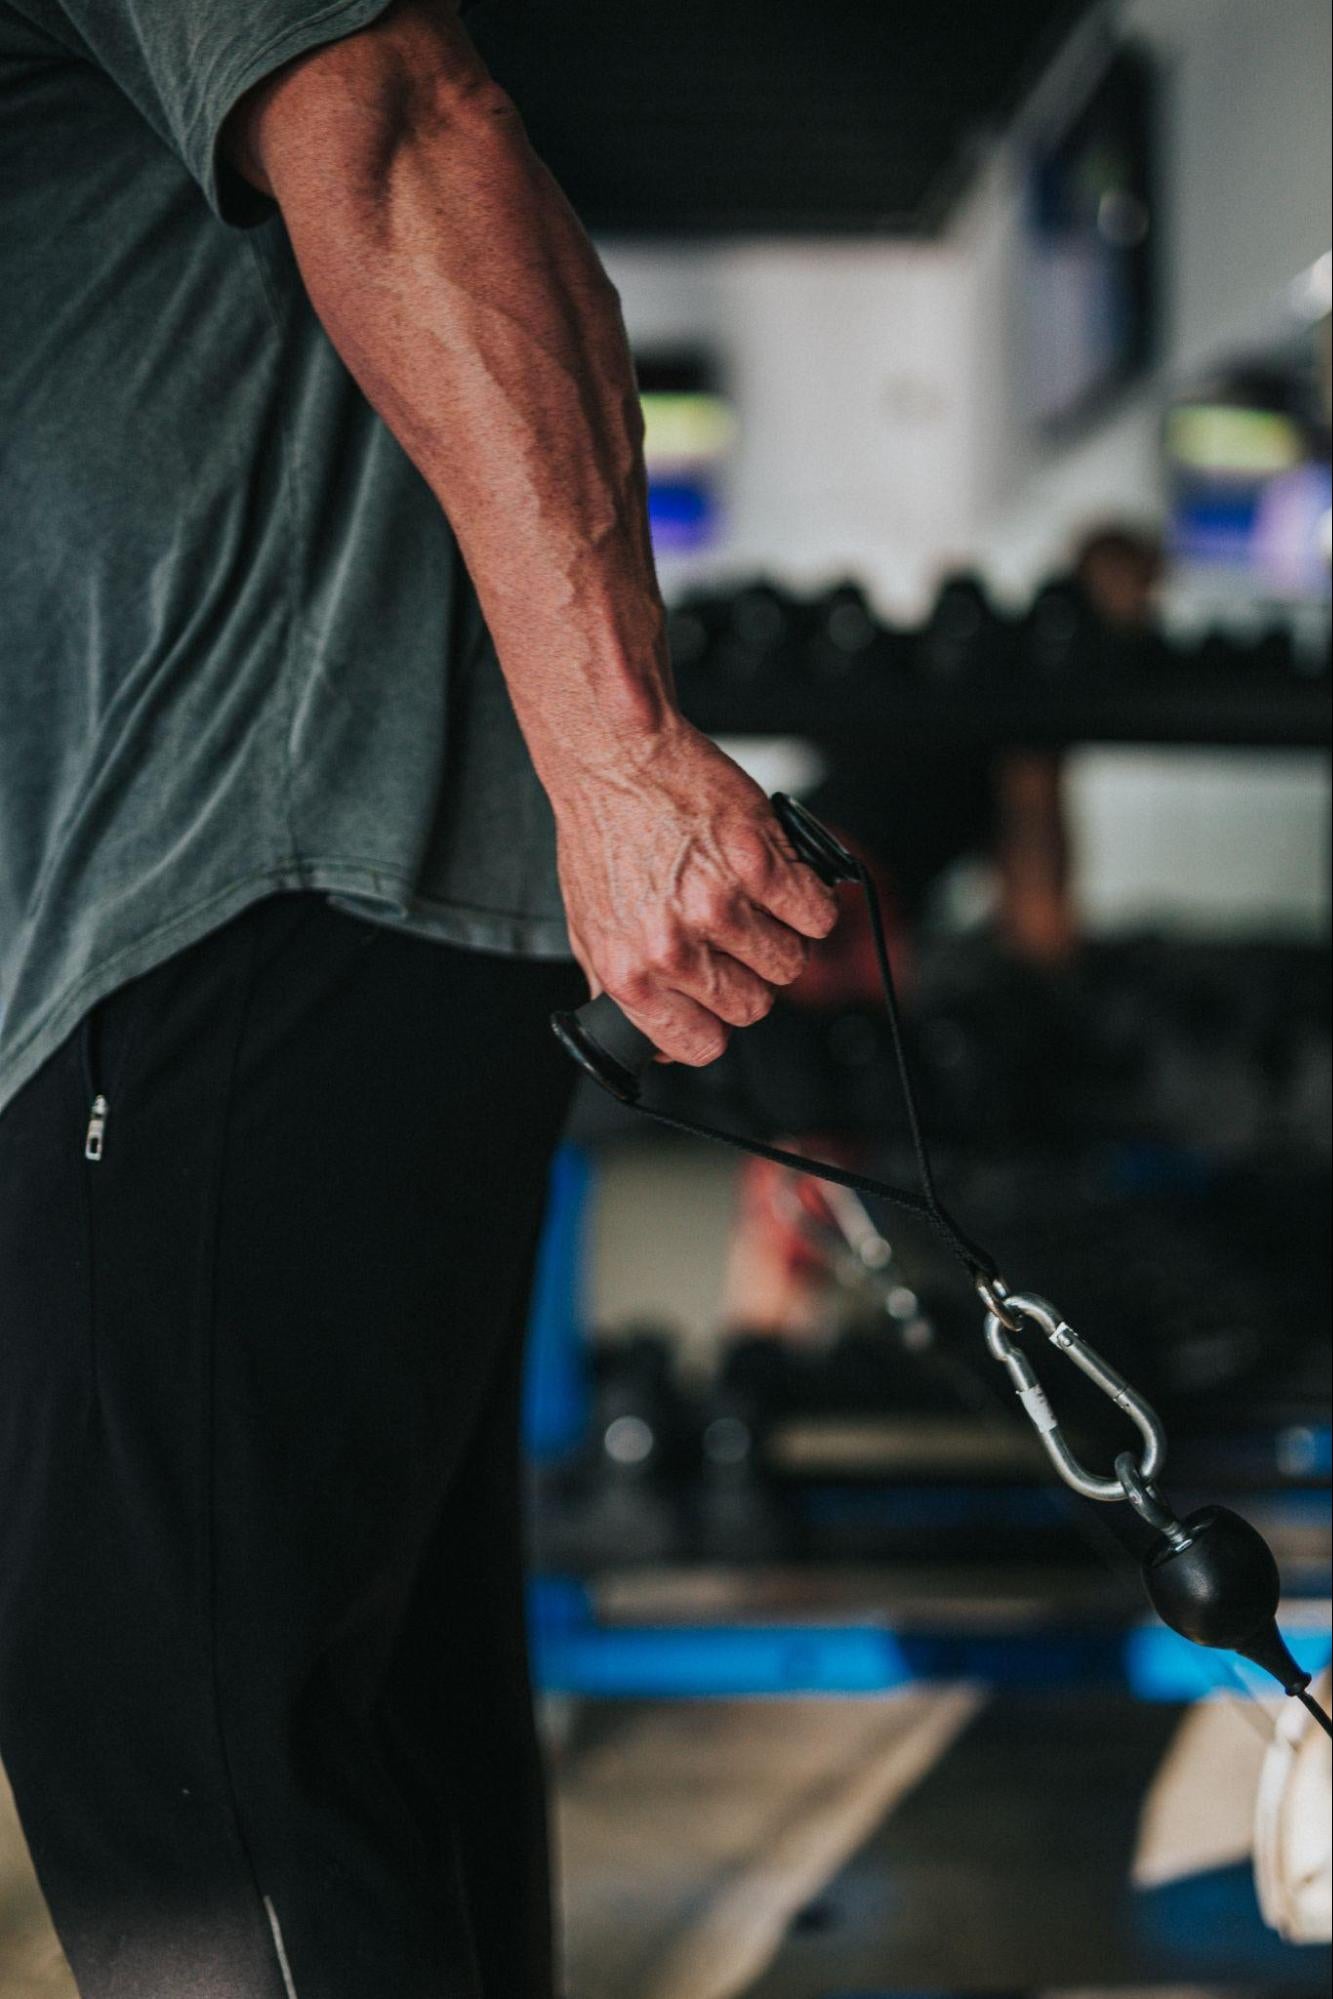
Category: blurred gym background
[984,355]
[985,361]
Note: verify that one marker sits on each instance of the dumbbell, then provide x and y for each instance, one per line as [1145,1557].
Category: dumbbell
[961,628]
[1270,652]
[692,628]
[755,630]
[1061,633]
[609,1047]
[842,631]
[641,1420]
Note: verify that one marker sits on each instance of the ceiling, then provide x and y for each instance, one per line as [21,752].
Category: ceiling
[714,117]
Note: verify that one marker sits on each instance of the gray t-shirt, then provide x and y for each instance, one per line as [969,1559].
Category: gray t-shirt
[239,651]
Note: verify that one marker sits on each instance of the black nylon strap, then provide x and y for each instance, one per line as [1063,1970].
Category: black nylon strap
[927,1204]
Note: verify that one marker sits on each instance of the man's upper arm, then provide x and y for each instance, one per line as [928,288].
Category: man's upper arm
[335,114]
[188,64]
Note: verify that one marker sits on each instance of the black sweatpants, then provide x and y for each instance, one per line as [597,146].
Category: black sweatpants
[263,1687]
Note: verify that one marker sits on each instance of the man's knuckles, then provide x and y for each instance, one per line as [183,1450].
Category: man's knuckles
[750,852]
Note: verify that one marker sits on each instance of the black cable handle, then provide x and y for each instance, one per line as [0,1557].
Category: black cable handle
[617,1056]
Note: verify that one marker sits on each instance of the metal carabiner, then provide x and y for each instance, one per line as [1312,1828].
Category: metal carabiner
[1004,1308]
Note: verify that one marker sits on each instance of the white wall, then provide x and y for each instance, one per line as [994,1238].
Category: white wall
[1245,209]
[849,366]
[1248,164]
[1214,842]
[1200,839]
[880,384]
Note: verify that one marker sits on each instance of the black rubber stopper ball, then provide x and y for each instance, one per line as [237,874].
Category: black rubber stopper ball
[1222,1588]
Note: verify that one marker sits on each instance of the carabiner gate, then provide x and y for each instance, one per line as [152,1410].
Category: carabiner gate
[1004,1308]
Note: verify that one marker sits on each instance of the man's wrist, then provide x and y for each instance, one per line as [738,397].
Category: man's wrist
[609,710]
[606,748]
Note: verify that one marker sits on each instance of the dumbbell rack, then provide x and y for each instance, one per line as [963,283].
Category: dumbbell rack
[1185,706]
[642,1605]
[698,1632]
[759,661]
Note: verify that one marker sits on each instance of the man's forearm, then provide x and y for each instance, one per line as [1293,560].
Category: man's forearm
[465,297]
[460,290]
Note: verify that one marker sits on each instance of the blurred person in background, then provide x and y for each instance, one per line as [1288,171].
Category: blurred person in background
[1118,566]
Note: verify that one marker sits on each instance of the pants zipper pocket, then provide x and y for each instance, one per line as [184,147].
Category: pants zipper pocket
[94,1137]
[98,1106]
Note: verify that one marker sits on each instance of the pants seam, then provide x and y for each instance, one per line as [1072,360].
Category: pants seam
[209,1336]
[280,1947]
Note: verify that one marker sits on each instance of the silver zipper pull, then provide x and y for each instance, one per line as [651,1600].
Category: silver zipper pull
[92,1144]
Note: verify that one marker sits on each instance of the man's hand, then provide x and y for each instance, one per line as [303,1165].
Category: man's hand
[684,901]
[462,293]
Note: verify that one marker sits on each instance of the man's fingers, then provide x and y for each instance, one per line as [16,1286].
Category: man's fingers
[689,995]
[798,897]
[773,950]
[712,952]
[775,880]
[700,975]
[680,1028]
[726,987]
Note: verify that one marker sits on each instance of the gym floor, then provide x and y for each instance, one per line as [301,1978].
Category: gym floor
[949,1838]
[936,1840]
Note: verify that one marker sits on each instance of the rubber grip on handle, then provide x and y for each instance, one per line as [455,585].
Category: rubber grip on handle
[606,1044]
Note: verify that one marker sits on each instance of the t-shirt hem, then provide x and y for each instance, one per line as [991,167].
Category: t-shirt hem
[374,893]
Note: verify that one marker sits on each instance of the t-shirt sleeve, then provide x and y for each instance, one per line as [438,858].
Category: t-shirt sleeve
[185,64]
